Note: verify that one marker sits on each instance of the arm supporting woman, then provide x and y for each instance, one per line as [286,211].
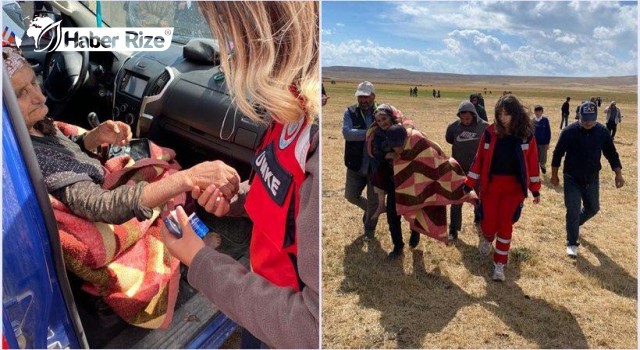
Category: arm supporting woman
[279,316]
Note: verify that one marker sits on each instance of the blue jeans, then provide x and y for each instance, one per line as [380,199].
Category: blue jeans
[582,202]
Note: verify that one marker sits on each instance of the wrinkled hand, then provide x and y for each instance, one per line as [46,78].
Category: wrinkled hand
[212,200]
[224,177]
[555,180]
[619,181]
[110,132]
[185,248]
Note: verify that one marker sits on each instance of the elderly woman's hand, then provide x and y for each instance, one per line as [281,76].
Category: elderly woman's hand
[217,173]
[109,132]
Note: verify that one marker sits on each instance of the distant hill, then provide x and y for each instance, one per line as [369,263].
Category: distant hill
[403,76]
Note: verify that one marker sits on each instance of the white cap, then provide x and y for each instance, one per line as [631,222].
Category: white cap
[365,89]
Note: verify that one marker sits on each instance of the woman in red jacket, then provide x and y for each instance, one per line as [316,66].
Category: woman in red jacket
[506,165]
[270,63]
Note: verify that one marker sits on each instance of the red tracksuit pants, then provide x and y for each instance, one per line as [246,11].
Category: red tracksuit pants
[500,209]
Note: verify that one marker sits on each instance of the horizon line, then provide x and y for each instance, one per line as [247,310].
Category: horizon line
[489,75]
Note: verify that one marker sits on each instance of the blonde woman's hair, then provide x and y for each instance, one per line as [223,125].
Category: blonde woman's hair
[275,46]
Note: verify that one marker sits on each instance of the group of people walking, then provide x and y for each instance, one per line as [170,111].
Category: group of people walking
[502,162]
[613,115]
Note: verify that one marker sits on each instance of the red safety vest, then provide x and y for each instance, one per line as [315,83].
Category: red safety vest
[274,199]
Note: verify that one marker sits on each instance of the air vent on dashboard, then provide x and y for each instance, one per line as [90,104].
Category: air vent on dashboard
[160,83]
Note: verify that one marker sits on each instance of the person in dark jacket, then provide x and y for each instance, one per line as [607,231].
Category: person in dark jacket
[387,144]
[565,113]
[325,97]
[614,117]
[583,142]
[543,136]
[464,136]
[356,120]
[475,99]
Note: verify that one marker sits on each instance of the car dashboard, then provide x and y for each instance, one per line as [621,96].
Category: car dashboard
[185,100]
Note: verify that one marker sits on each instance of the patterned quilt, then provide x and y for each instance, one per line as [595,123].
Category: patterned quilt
[127,264]
[426,181]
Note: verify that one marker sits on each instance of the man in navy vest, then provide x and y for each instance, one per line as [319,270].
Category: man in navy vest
[357,119]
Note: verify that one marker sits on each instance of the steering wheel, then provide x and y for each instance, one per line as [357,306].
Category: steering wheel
[64,73]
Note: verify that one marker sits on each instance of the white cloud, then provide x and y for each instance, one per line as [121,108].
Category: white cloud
[567,23]
[474,52]
[339,24]
[368,54]
[567,39]
[326,31]
[578,38]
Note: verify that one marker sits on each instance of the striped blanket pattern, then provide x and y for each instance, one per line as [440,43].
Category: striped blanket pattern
[426,182]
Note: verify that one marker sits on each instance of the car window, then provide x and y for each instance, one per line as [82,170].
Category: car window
[184,16]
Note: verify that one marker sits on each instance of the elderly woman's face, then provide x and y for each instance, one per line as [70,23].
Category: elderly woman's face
[30,98]
[383,120]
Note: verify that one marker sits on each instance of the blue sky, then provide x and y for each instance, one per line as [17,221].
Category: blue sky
[559,38]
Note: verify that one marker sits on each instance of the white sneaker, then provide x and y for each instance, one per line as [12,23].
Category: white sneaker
[498,272]
[484,246]
[572,251]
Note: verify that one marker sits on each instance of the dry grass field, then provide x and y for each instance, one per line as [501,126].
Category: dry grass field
[439,296]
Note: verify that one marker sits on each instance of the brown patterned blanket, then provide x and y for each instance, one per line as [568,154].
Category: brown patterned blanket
[425,183]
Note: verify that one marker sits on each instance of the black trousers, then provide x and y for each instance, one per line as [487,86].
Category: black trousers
[612,127]
[393,219]
[565,120]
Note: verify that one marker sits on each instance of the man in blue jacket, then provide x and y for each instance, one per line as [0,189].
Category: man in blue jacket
[543,136]
[583,142]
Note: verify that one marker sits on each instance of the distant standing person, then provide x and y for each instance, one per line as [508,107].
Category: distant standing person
[415,91]
[543,136]
[583,143]
[475,99]
[578,109]
[565,113]
[434,93]
[481,100]
[325,97]
[506,165]
[356,120]
[464,136]
[614,117]
[438,95]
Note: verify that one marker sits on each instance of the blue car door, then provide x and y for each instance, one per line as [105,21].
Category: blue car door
[37,304]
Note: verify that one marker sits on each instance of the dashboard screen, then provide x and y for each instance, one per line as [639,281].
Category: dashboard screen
[135,86]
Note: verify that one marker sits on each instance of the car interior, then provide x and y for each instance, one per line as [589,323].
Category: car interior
[176,98]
